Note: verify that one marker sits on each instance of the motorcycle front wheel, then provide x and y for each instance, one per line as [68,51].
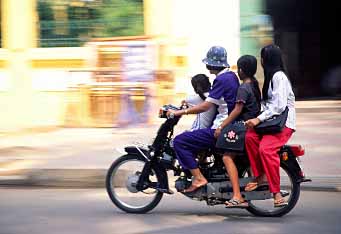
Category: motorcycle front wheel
[290,189]
[121,183]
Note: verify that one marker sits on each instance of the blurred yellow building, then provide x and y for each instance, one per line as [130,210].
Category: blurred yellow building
[54,86]
[93,85]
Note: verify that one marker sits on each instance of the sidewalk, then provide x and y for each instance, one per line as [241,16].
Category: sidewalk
[80,157]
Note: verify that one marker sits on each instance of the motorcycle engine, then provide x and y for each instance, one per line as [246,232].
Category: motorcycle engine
[204,193]
[214,192]
[182,183]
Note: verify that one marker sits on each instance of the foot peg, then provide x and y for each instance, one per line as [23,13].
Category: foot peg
[168,191]
[284,193]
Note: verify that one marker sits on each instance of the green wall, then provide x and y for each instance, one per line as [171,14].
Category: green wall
[252,20]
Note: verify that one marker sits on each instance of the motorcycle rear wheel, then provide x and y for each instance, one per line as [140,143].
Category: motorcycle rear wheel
[265,208]
[120,182]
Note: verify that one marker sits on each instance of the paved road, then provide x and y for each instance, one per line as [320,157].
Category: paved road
[59,211]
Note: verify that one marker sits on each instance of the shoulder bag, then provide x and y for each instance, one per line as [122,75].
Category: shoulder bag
[273,125]
[232,137]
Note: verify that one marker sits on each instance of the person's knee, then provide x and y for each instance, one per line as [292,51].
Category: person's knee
[228,158]
[261,149]
[183,139]
[177,142]
[265,149]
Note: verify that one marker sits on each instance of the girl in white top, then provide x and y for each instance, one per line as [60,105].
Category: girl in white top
[201,85]
[262,149]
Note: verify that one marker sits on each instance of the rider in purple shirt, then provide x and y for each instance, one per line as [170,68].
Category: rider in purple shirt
[223,95]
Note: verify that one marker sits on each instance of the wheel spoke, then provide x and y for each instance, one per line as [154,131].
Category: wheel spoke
[121,184]
[290,192]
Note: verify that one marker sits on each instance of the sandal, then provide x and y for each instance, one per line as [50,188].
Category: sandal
[254,185]
[280,202]
[235,203]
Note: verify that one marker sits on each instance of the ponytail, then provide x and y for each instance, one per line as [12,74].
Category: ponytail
[256,91]
[202,96]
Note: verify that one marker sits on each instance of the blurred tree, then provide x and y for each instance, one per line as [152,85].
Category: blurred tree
[88,19]
[46,19]
[81,22]
[122,17]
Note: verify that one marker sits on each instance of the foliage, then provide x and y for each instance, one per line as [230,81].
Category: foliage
[88,19]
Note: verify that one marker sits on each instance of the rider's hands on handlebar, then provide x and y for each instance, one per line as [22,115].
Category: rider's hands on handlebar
[173,113]
[184,103]
[183,110]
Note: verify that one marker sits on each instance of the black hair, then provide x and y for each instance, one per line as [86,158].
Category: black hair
[248,64]
[201,84]
[272,63]
[214,68]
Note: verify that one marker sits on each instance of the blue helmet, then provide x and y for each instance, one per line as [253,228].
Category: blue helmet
[216,57]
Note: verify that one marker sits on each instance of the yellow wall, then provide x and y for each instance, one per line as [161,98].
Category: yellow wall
[22,104]
[33,80]
[51,71]
[37,94]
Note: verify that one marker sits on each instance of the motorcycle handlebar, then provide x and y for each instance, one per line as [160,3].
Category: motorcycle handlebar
[163,110]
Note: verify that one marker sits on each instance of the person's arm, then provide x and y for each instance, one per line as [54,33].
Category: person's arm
[234,115]
[202,107]
[213,99]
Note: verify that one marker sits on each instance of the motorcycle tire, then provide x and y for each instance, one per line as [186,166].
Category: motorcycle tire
[278,212]
[111,188]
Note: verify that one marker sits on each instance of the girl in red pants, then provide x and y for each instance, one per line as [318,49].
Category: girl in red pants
[262,149]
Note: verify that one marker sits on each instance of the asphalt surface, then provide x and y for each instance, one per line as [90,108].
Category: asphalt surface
[88,211]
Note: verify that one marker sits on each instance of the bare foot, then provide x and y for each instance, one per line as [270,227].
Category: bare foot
[196,183]
[259,181]
[236,203]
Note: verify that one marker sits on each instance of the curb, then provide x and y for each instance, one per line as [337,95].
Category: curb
[95,178]
[58,178]
[317,109]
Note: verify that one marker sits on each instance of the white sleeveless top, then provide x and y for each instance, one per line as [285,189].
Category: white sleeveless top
[204,119]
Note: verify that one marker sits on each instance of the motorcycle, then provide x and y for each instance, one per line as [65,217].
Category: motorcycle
[137,181]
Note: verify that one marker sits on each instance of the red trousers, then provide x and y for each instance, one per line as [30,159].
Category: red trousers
[263,155]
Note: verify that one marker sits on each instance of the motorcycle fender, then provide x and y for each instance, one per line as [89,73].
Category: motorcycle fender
[292,165]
